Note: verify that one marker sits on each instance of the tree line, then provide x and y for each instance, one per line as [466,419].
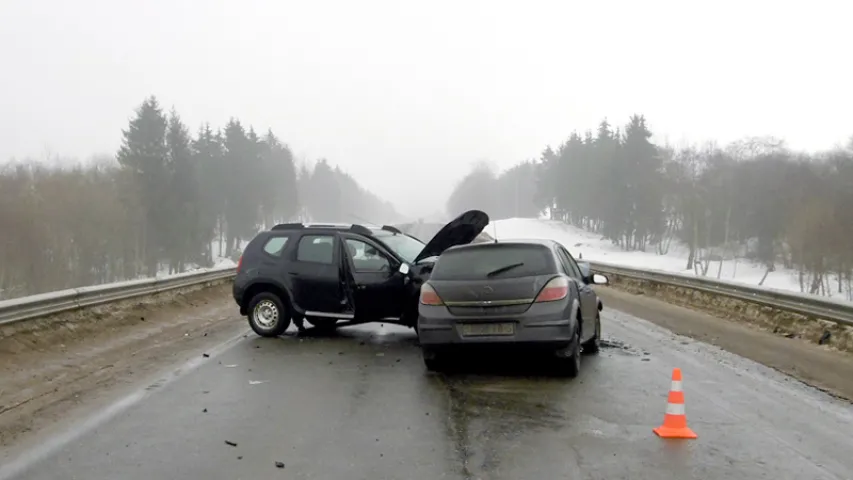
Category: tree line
[754,198]
[168,200]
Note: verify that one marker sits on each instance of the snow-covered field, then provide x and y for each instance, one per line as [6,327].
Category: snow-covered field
[593,247]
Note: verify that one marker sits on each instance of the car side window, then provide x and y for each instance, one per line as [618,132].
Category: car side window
[574,270]
[366,258]
[563,263]
[275,246]
[316,249]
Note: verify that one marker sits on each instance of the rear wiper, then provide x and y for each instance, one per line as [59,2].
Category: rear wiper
[504,269]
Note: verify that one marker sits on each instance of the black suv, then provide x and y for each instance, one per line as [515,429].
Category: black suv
[331,272]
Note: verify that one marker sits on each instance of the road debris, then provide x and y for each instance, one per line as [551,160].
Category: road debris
[230,443]
[279,464]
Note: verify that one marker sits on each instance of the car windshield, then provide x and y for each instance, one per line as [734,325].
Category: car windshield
[405,246]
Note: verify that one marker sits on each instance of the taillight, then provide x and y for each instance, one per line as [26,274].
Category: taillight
[556,289]
[429,296]
[239,263]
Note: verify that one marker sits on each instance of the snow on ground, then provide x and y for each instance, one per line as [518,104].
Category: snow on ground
[591,246]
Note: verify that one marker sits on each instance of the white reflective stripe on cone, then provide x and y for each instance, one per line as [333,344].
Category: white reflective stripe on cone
[676,386]
[675,409]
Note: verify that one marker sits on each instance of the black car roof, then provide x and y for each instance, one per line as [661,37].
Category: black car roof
[338,227]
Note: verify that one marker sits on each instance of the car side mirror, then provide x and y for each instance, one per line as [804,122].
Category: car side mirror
[599,279]
[404,268]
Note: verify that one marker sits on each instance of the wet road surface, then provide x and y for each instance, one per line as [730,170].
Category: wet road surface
[361,406]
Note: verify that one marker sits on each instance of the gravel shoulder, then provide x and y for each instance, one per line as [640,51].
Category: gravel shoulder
[66,368]
[819,366]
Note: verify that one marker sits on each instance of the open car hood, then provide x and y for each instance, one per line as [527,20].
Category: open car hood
[461,230]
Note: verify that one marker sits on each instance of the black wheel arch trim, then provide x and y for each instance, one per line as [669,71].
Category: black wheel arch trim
[253,288]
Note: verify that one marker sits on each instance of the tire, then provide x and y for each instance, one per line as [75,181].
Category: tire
[268,315]
[433,362]
[323,324]
[435,365]
[593,345]
[571,366]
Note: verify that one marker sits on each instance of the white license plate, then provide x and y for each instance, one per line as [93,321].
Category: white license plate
[486,329]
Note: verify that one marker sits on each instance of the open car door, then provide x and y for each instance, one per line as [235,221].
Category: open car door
[376,285]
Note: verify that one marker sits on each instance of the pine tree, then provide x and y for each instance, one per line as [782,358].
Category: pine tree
[144,155]
[282,200]
[645,169]
[209,162]
[184,239]
[242,173]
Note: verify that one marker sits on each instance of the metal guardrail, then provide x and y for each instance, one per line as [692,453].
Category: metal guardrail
[26,308]
[35,306]
[837,311]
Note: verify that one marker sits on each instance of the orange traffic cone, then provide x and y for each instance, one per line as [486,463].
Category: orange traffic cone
[675,420]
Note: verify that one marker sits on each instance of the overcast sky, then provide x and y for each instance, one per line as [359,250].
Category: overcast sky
[406,96]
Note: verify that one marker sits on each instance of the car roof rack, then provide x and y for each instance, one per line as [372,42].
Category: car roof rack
[392,229]
[360,229]
[288,226]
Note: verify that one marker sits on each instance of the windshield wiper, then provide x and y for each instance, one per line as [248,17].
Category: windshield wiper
[504,269]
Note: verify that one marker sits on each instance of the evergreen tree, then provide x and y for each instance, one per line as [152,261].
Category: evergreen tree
[644,169]
[185,238]
[241,207]
[144,155]
[283,201]
[209,166]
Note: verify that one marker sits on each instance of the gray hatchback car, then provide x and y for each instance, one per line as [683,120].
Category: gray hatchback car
[529,293]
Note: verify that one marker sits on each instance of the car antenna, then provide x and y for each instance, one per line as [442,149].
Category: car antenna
[495,229]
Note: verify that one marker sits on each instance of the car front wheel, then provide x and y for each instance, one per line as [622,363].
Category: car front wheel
[268,315]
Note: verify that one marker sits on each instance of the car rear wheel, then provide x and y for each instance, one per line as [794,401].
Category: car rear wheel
[594,344]
[268,315]
[322,323]
[570,365]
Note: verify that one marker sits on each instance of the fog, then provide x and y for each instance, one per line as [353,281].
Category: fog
[401,94]
[200,122]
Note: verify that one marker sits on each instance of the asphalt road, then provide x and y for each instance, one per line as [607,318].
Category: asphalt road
[361,406]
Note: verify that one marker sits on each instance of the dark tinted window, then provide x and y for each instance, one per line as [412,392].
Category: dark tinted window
[316,248]
[275,246]
[476,263]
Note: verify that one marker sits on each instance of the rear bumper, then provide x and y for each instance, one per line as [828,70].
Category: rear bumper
[546,326]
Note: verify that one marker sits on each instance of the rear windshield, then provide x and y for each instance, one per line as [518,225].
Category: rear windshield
[494,261]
